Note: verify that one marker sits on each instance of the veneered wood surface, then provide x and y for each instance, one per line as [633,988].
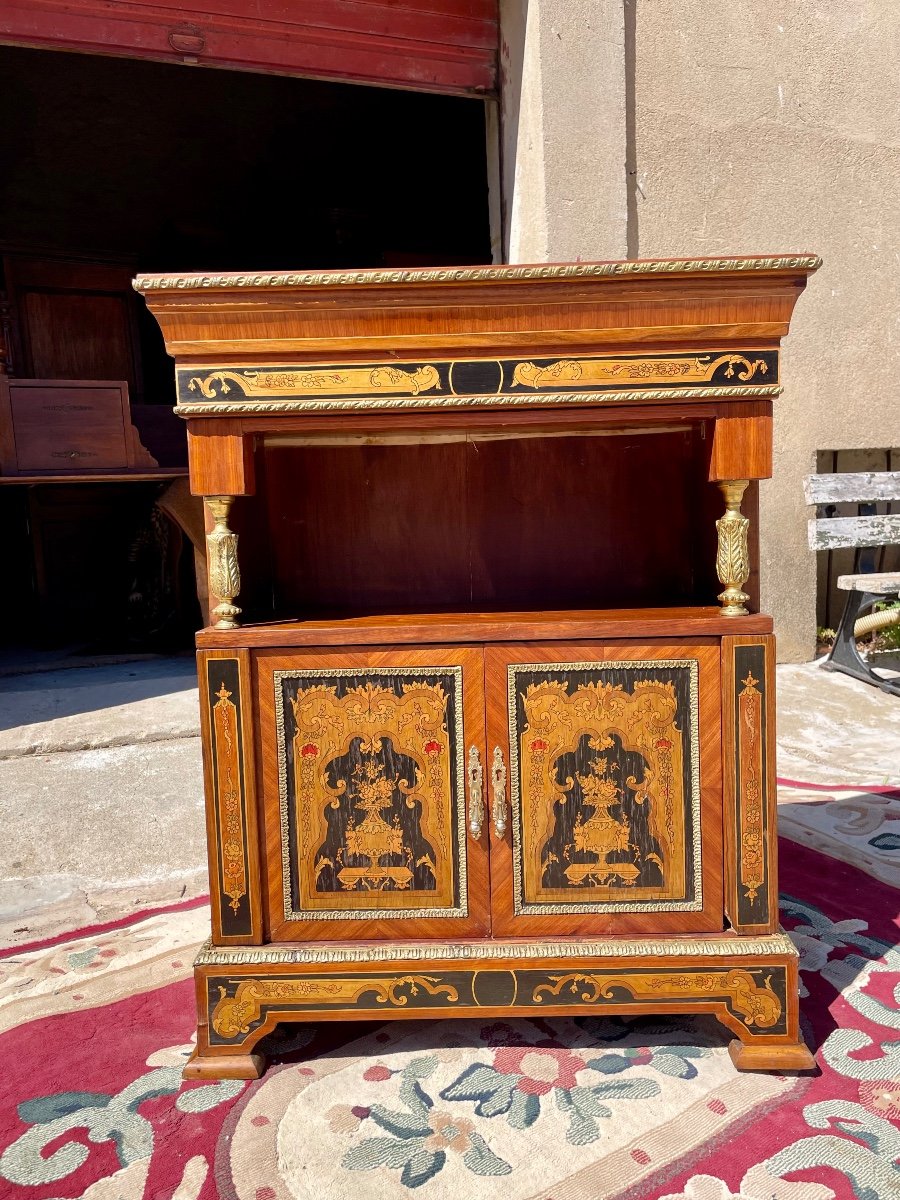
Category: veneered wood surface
[407,314]
[137,476]
[73,320]
[549,523]
[742,442]
[388,924]
[221,461]
[57,423]
[505,922]
[467,626]
[461,424]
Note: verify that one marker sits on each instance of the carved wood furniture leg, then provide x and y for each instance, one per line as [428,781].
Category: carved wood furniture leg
[733,557]
[792,1057]
[224,1066]
[224,572]
[786,1051]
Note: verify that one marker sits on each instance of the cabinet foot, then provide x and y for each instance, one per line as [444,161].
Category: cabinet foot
[792,1057]
[224,1066]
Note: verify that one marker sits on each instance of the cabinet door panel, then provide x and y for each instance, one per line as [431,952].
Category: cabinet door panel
[364,775]
[614,780]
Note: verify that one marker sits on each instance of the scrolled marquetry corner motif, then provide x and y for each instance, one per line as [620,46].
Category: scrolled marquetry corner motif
[733,557]
[585,372]
[327,381]
[751,768]
[237,1014]
[222,560]
[757,1006]
[228,775]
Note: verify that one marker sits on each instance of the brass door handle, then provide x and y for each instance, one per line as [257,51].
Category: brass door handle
[476,797]
[498,791]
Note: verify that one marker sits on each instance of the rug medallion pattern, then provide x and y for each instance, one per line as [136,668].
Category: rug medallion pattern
[93,1034]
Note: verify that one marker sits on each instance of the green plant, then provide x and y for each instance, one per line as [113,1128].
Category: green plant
[890,637]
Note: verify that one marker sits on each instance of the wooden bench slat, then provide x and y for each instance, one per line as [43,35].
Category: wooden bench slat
[878,583]
[841,533]
[859,487]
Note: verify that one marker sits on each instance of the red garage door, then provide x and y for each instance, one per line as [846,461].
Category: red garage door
[428,45]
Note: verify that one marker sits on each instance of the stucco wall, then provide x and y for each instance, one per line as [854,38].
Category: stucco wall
[562,71]
[771,126]
[646,128]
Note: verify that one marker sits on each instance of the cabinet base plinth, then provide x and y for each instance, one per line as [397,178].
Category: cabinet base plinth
[793,1057]
[748,983]
[224,1066]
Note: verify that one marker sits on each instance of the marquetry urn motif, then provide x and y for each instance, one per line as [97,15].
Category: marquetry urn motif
[607,781]
[371,802]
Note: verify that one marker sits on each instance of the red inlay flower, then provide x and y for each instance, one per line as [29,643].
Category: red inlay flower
[540,1068]
[432,747]
[309,751]
[664,744]
[538,744]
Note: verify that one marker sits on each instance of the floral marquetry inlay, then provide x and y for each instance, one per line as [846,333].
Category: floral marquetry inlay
[371,807]
[607,812]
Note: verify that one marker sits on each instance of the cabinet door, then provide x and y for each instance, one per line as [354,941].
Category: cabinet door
[611,756]
[365,773]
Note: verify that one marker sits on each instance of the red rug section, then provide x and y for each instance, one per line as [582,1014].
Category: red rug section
[104,927]
[104,1050]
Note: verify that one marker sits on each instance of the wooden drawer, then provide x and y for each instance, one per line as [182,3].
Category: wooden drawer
[65,425]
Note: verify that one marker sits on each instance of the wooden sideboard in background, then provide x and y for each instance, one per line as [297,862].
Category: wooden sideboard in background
[93,454]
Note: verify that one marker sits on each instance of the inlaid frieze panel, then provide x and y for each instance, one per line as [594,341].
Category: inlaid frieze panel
[371,777]
[754,997]
[605,787]
[469,382]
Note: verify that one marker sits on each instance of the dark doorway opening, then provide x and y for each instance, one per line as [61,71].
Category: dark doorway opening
[114,166]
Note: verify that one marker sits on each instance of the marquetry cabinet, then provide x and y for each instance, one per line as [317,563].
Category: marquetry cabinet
[480,741]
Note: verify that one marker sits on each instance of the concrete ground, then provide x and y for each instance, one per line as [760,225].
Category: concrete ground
[101,799]
[101,795]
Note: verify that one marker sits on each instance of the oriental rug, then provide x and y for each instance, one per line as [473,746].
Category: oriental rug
[94,1031]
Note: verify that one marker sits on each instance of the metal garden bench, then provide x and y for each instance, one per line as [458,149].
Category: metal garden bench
[866,590]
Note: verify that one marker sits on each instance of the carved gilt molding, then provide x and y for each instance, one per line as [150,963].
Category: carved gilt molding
[306,279]
[775,944]
[234,1015]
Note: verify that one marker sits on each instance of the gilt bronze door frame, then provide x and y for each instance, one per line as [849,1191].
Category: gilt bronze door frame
[612,759]
[368,785]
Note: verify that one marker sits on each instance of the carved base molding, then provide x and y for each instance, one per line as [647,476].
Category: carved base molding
[748,984]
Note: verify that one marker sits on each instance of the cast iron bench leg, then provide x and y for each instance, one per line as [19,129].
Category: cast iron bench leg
[844,655]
